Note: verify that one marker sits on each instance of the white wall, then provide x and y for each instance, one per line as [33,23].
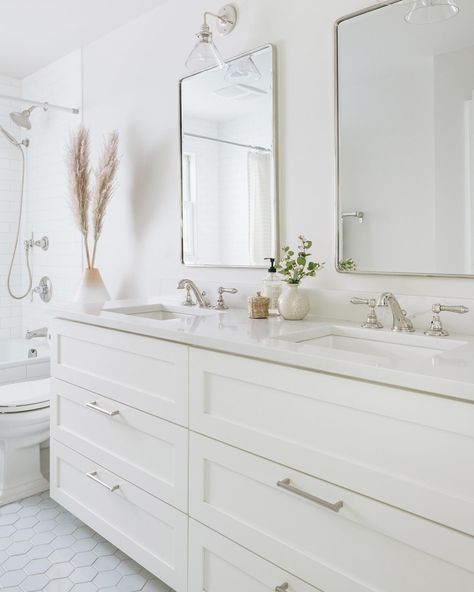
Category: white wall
[131,83]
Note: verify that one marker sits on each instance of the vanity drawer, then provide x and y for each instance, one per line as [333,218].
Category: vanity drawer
[410,449]
[150,531]
[149,452]
[216,564]
[141,371]
[365,545]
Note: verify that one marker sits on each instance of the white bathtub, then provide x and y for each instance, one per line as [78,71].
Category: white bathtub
[15,365]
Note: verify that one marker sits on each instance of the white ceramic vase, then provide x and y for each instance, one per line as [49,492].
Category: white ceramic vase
[293,303]
[92,288]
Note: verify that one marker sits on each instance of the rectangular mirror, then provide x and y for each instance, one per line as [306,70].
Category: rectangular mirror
[405,119]
[228,166]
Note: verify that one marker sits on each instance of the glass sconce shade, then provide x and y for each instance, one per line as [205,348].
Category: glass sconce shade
[243,70]
[426,12]
[412,3]
[204,54]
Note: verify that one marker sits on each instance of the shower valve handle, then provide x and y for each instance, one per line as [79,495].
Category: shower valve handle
[42,243]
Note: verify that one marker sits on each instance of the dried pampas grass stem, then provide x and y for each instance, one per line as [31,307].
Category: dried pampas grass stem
[78,160]
[105,174]
[79,175]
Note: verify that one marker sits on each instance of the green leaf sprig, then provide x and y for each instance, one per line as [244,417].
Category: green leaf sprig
[296,266]
[347,265]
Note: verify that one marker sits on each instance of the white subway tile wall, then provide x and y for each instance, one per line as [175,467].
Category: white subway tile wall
[10,171]
[47,208]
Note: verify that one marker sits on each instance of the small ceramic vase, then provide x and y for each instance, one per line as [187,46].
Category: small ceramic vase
[293,304]
[92,288]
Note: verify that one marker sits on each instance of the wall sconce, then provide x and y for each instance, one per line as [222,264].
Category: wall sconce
[426,12]
[243,70]
[205,54]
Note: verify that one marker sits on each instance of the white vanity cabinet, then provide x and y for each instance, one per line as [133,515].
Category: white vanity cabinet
[353,543]
[216,564]
[145,373]
[405,448]
[119,441]
[235,473]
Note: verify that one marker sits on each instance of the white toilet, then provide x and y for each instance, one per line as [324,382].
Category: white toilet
[24,425]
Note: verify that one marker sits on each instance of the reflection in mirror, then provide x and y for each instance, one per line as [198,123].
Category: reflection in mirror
[228,188]
[406,142]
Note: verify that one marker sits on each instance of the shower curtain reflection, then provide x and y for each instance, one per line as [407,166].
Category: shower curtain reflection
[260,181]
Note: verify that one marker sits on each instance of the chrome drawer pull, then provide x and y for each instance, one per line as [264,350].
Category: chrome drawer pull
[94,477]
[286,484]
[282,588]
[95,407]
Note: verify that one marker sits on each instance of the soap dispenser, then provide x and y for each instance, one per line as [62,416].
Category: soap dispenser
[272,286]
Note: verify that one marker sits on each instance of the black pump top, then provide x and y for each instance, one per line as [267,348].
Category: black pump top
[272,268]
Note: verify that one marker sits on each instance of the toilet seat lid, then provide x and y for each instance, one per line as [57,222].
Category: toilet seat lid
[25,396]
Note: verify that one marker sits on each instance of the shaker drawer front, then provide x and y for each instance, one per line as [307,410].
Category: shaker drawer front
[149,373]
[406,448]
[216,564]
[298,523]
[148,530]
[149,452]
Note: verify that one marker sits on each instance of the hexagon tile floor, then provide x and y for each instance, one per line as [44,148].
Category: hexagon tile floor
[44,547]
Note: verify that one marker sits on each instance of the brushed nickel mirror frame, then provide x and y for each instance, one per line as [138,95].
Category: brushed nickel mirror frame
[338,242]
[276,220]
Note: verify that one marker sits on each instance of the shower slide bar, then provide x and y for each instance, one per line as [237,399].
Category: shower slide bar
[45,105]
[258,148]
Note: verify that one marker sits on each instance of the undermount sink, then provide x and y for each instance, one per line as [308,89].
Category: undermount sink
[375,343]
[161,312]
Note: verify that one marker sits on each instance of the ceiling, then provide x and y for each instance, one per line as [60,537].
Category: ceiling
[34,33]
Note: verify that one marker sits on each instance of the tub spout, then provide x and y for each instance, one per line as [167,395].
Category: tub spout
[42,332]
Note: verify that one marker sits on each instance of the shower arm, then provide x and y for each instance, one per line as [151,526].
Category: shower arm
[44,105]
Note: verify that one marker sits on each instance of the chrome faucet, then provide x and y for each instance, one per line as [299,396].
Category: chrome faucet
[201,298]
[42,332]
[400,322]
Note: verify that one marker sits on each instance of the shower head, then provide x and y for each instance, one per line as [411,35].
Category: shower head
[13,140]
[22,118]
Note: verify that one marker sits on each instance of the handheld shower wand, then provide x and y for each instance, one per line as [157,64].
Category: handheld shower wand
[17,237]
[20,145]
[13,140]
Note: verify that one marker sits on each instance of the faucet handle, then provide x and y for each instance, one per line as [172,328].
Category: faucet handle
[436,327]
[437,308]
[220,304]
[372,321]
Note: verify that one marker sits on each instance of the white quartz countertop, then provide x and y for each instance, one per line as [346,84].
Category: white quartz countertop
[444,366]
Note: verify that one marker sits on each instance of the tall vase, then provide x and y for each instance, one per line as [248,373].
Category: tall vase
[92,288]
[293,304]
